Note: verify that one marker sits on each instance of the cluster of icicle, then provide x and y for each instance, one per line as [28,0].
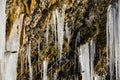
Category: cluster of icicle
[57,22]
[86,51]
[8,61]
[113,40]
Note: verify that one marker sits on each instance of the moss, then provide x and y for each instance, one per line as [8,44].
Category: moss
[10,21]
[33,3]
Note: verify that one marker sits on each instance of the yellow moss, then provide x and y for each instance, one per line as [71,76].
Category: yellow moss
[69,3]
[22,9]
[104,50]
[22,37]
[26,7]
[12,20]
[14,3]
[97,29]
[33,3]
[53,1]
[46,21]
[101,66]
[14,17]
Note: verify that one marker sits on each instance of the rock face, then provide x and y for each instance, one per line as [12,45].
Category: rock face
[51,33]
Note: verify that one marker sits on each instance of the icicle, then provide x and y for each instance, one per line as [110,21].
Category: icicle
[113,41]
[45,66]
[92,53]
[84,60]
[29,60]
[68,33]
[54,25]
[118,38]
[2,27]
[38,55]
[46,35]
[60,29]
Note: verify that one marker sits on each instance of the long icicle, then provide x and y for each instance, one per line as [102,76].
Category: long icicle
[54,25]
[118,47]
[29,60]
[60,29]
[112,42]
[92,53]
